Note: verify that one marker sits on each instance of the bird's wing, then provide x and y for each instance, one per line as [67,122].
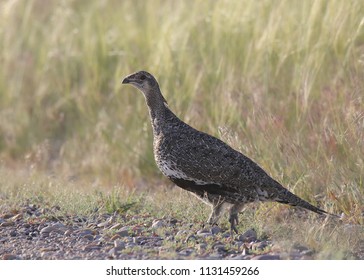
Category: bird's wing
[207,159]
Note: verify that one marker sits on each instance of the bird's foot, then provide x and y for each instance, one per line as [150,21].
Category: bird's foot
[233,219]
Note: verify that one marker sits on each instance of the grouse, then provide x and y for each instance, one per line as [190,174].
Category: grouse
[203,164]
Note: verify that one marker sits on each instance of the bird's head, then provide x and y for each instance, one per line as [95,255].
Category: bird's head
[142,80]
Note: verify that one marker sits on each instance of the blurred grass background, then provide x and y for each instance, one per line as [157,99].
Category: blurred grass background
[281,81]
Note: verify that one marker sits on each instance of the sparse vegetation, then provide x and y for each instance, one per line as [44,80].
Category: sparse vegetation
[281,81]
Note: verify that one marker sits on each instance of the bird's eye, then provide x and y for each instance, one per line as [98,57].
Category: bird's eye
[142,77]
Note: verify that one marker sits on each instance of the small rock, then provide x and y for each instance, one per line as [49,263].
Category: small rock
[214,256]
[45,255]
[186,252]
[248,236]
[88,237]
[114,252]
[204,233]
[119,245]
[103,224]
[308,252]
[266,257]
[13,233]
[245,252]
[48,249]
[124,231]
[172,221]
[107,222]
[116,226]
[169,238]
[17,217]
[215,230]
[87,232]
[238,257]
[68,232]
[115,236]
[181,232]
[130,245]
[190,237]
[202,246]
[11,257]
[91,247]
[7,224]
[299,247]
[7,216]
[56,228]
[3,239]
[158,224]
[259,245]
[219,248]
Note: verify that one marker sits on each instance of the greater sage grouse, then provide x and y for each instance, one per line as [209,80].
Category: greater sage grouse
[205,165]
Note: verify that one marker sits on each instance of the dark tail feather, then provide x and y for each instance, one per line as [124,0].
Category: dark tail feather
[293,200]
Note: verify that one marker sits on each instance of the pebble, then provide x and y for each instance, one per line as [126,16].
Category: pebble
[215,230]
[17,217]
[169,238]
[238,257]
[7,224]
[56,228]
[158,224]
[88,237]
[248,236]
[172,221]
[214,256]
[48,249]
[119,245]
[299,247]
[13,233]
[186,252]
[219,247]
[114,252]
[87,232]
[259,245]
[10,257]
[202,246]
[204,233]
[115,236]
[91,247]
[266,257]
[103,224]
[124,231]
[107,222]
[181,232]
[68,232]
[116,226]
[190,237]
[7,216]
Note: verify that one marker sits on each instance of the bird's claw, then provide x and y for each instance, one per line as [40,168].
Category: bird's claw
[233,223]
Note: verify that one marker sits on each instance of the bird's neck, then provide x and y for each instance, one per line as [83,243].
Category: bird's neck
[158,109]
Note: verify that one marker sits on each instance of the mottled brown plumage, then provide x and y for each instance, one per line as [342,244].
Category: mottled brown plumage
[205,165]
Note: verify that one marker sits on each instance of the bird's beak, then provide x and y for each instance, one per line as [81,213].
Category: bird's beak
[129,79]
[126,80]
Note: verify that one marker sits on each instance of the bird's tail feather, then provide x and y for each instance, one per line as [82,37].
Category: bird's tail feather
[289,198]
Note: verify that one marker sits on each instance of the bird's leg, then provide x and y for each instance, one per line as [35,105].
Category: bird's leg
[233,218]
[216,213]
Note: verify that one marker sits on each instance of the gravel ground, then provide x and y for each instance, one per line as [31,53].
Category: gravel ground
[32,233]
